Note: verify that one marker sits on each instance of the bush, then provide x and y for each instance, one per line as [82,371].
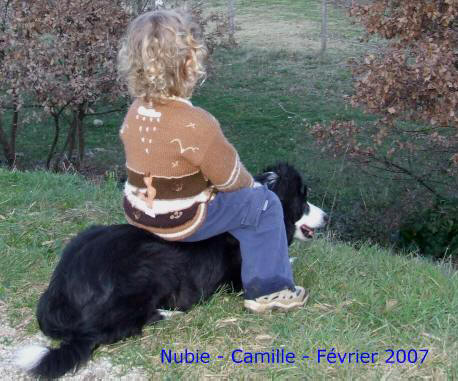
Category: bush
[57,56]
[434,232]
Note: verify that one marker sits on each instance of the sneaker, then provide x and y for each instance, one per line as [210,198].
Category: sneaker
[284,300]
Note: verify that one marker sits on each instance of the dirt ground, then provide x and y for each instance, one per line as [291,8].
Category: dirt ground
[12,339]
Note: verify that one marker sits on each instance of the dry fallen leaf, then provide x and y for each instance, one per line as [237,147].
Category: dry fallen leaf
[264,339]
[390,305]
[225,322]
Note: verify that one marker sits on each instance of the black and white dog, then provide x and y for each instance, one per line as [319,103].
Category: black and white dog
[113,280]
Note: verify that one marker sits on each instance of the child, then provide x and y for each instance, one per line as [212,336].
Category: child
[185,180]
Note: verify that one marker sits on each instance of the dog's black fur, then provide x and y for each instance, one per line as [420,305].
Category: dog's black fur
[111,280]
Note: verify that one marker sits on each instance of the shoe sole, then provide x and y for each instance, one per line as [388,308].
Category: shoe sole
[262,308]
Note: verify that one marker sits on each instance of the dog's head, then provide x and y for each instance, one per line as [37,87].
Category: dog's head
[301,217]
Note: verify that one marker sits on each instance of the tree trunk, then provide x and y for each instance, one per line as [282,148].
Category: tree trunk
[7,151]
[9,145]
[14,127]
[324,27]
[56,139]
[69,142]
[80,133]
[75,136]
[231,19]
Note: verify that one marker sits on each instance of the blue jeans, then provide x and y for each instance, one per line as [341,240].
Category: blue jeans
[254,216]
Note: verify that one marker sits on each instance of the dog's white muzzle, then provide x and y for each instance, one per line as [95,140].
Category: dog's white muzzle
[314,219]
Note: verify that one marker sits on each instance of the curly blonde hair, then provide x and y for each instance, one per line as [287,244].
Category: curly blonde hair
[162,56]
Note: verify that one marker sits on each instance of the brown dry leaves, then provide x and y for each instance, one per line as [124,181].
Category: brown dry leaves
[414,79]
[62,52]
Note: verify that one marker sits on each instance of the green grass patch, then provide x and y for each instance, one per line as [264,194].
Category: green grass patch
[39,213]
[361,300]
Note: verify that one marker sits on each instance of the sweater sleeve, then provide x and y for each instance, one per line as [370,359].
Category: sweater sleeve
[222,166]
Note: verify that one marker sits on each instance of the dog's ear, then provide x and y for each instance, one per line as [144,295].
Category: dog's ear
[268,178]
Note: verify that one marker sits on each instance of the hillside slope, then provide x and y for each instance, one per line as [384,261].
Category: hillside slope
[365,300]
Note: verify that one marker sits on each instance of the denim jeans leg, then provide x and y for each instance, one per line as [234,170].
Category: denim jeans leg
[254,216]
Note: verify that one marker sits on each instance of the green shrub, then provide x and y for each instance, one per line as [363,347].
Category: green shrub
[434,232]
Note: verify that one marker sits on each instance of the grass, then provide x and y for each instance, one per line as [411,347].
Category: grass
[365,300]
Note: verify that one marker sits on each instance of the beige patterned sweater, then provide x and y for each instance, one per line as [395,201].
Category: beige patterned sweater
[177,158]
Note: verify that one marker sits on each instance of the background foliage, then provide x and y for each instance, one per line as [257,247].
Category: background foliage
[411,86]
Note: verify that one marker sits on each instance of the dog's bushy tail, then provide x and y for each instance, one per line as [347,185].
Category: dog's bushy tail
[55,362]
